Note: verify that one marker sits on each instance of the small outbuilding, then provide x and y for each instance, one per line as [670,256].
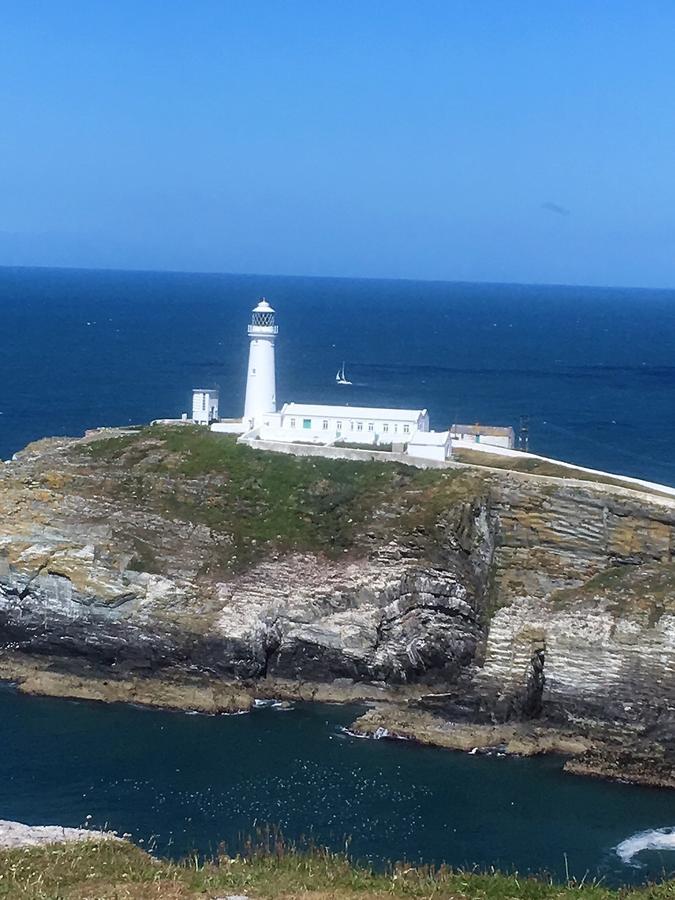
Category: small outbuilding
[493,435]
[430,445]
[204,406]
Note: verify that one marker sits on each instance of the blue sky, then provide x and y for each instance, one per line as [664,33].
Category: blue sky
[481,140]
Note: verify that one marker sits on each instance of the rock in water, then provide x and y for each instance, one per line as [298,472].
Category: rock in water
[16,834]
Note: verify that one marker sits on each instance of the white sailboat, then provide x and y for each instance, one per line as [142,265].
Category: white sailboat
[340,376]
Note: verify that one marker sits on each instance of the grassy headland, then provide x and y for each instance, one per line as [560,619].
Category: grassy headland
[265,502]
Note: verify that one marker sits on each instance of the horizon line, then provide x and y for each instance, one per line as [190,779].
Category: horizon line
[542,284]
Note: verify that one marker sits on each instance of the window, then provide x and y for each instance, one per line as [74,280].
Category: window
[370,426]
[292,423]
[359,426]
[385,427]
[351,426]
[338,425]
[325,424]
[306,423]
[262,319]
[203,401]
[406,429]
[395,427]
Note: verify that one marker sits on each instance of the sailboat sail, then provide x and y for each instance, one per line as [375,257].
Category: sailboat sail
[340,377]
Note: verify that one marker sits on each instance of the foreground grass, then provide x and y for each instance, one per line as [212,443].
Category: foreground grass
[120,871]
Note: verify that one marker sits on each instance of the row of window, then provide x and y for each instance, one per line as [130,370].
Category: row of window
[307,423]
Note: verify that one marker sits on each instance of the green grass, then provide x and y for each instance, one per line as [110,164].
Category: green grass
[534,466]
[353,445]
[263,501]
[102,871]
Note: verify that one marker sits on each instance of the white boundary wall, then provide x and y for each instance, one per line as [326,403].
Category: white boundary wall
[344,453]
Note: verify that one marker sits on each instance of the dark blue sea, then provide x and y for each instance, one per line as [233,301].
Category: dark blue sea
[180,783]
[592,369]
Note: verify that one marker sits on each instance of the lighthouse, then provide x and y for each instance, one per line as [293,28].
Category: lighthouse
[339,428]
[261,393]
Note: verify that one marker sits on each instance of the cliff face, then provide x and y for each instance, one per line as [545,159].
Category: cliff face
[177,550]
[584,589]
[134,554]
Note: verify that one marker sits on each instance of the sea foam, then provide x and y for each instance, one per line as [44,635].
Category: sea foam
[653,839]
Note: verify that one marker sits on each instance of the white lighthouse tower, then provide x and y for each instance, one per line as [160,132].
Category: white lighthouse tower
[261,392]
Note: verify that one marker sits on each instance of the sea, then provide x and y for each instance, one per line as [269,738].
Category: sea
[591,373]
[592,370]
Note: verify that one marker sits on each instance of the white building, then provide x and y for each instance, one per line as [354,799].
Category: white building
[204,406]
[323,424]
[311,423]
[430,445]
[493,435]
[261,391]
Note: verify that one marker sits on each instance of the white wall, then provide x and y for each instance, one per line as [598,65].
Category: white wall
[261,396]
[490,439]
[425,451]
[345,453]
[383,431]
[204,406]
[232,427]
[496,441]
[270,421]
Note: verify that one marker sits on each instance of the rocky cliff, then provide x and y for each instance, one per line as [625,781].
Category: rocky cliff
[491,596]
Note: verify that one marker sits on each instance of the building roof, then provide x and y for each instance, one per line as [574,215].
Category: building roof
[352,412]
[263,306]
[211,391]
[494,430]
[429,439]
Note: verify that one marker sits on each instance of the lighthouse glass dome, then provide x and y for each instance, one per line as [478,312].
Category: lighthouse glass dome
[263,315]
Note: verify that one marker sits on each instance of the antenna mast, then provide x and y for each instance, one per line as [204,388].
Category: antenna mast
[524,434]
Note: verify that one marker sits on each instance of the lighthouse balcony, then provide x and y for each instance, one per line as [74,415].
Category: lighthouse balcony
[263,330]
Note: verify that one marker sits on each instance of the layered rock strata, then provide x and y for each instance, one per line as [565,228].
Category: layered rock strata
[510,597]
